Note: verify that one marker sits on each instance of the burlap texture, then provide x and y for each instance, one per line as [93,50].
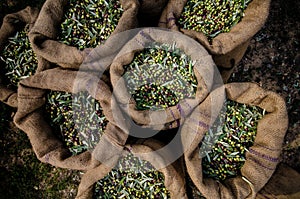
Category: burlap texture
[173,173]
[227,49]
[47,147]
[284,184]
[11,24]
[263,156]
[43,35]
[204,70]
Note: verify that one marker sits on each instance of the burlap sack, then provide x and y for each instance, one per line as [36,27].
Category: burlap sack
[284,184]
[173,173]
[11,24]
[263,156]
[173,116]
[227,49]
[43,35]
[30,117]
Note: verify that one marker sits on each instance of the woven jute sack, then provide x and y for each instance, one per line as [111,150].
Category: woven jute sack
[227,49]
[173,173]
[43,35]
[261,159]
[172,116]
[284,184]
[30,118]
[11,24]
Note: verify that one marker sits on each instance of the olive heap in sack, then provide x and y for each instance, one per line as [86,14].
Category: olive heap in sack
[225,144]
[19,58]
[212,17]
[160,76]
[132,178]
[87,24]
[74,113]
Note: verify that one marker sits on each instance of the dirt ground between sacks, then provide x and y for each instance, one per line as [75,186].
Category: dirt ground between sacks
[272,60]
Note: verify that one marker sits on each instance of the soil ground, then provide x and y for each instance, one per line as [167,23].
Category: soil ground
[272,60]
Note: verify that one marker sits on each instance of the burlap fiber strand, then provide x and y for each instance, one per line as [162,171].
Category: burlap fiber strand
[43,35]
[227,49]
[284,184]
[173,116]
[11,24]
[173,173]
[263,156]
[46,145]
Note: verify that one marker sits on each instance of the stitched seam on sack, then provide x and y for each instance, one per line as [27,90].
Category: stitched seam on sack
[260,164]
[187,104]
[146,36]
[139,42]
[200,123]
[171,19]
[266,157]
[172,114]
[181,111]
